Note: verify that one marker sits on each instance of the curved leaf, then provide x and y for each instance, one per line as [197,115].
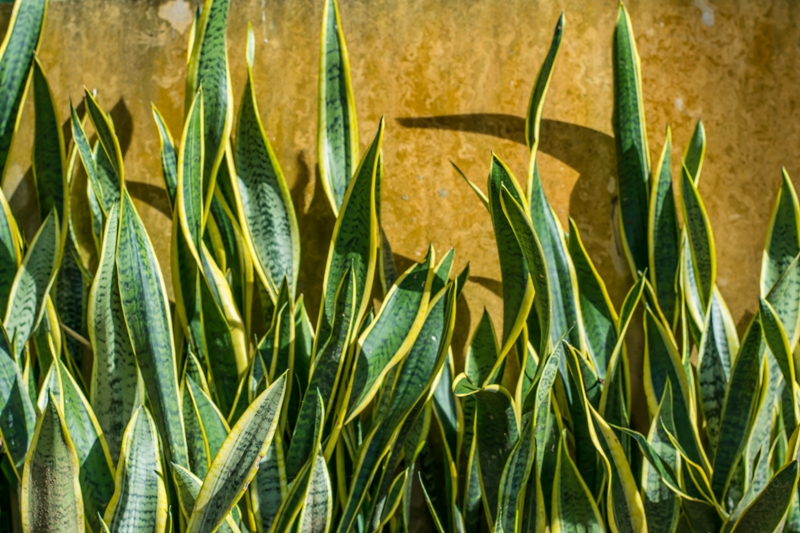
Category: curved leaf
[574,509]
[49,164]
[701,239]
[238,459]
[337,132]
[187,486]
[51,494]
[770,507]
[17,415]
[169,156]
[140,496]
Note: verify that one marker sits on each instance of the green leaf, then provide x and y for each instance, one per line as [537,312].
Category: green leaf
[17,415]
[783,236]
[770,507]
[695,152]
[738,410]
[389,337]
[10,254]
[354,243]
[496,431]
[661,505]
[534,117]
[482,353]
[717,346]
[187,486]
[518,291]
[663,242]
[32,283]
[140,495]
[393,498]
[109,144]
[189,201]
[566,318]
[663,364]
[306,434]
[269,487]
[431,507]
[49,164]
[318,506]
[96,467]
[630,134]
[265,205]
[530,248]
[169,156]
[206,428]
[624,505]
[146,311]
[51,494]
[114,372]
[574,509]
[237,461]
[599,316]
[337,132]
[17,51]
[208,69]
[701,239]
[519,466]
[785,299]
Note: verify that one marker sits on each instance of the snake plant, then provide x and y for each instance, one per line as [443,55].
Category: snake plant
[230,409]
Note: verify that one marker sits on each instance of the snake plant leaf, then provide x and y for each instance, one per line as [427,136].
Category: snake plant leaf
[48,331]
[146,312]
[316,513]
[326,375]
[10,253]
[196,444]
[661,505]
[269,487]
[783,236]
[109,142]
[414,379]
[566,318]
[717,346]
[393,499]
[695,152]
[630,134]
[599,316]
[237,461]
[531,249]
[50,498]
[516,471]
[624,503]
[208,69]
[778,345]
[436,521]
[389,337]
[768,510]
[741,400]
[784,299]
[482,197]
[446,409]
[169,156]
[266,208]
[533,118]
[701,239]
[663,243]
[662,364]
[26,300]
[17,415]
[70,293]
[223,329]
[94,459]
[140,495]
[49,164]
[337,131]
[690,287]
[306,434]
[187,486]
[482,353]
[206,428]
[574,509]
[20,44]
[114,372]
[518,290]
[497,432]
[354,243]
[189,200]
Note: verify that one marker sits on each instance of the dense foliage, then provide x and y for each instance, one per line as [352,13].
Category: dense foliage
[232,410]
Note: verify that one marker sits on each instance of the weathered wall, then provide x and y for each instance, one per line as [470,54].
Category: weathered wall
[453,79]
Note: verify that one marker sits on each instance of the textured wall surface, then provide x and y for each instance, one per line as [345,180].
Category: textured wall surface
[453,78]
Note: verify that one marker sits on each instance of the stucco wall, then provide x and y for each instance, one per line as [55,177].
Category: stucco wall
[453,79]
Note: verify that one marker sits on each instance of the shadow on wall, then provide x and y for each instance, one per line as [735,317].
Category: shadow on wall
[590,152]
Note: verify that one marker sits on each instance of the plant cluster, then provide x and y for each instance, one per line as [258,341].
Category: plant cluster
[232,411]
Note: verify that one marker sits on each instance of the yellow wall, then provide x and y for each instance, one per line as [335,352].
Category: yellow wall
[470,64]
